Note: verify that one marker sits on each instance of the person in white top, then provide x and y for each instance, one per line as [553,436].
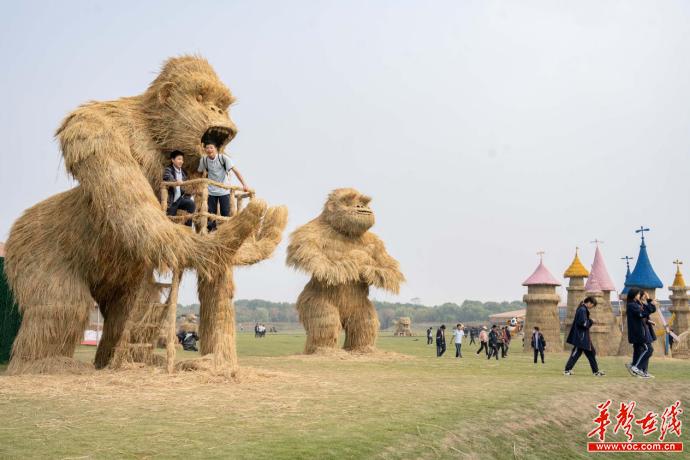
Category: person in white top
[217,166]
[458,334]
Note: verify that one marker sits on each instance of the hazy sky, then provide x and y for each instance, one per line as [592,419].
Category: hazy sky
[485,131]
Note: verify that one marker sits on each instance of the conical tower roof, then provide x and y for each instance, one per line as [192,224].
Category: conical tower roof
[576,269]
[643,275]
[600,274]
[625,283]
[678,281]
[593,284]
[542,276]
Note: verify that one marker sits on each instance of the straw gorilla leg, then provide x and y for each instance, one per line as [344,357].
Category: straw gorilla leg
[136,304]
[361,328]
[217,319]
[321,321]
[115,313]
[53,323]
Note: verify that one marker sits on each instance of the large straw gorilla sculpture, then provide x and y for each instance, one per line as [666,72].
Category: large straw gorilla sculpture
[344,259]
[101,241]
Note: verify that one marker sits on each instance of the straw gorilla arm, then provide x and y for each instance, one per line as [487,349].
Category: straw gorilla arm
[369,263]
[383,271]
[264,239]
[237,237]
[99,157]
[312,254]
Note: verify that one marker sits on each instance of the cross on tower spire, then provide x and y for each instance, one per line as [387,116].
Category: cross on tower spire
[627,260]
[541,255]
[678,263]
[642,230]
[596,241]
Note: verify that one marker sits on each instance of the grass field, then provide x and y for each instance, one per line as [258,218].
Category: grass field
[291,406]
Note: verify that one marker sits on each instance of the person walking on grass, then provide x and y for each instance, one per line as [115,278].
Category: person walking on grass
[640,331]
[504,342]
[441,340]
[580,339]
[458,334]
[538,344]
[429,336]
[507,338]
[473,335]
[493,343]
[500,344]
[483,341]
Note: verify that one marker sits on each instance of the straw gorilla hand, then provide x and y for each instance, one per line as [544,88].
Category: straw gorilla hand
[344,259]
[248,238]
[261,243]
[219,249]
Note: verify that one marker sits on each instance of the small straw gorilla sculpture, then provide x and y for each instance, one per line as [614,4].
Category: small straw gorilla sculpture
[102,240]
[344,259]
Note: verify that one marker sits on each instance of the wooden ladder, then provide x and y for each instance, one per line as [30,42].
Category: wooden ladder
[150,329]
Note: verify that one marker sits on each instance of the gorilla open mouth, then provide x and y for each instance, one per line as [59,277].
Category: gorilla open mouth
[364,211]
[218,135]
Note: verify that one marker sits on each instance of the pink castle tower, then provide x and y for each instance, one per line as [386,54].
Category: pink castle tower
[542,305]
[605,332]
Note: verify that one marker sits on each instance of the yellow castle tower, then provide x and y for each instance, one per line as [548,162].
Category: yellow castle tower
[577,273]
[679,299]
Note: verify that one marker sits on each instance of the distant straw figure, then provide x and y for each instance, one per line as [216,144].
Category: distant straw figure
[403,327]
[344,259]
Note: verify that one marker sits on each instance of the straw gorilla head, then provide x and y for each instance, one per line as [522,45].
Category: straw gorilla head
[347,211]
[187,105]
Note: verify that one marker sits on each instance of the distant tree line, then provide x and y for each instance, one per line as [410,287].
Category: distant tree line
[471,311]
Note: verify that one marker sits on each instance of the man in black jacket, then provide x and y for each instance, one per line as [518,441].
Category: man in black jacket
[538,344]
[441,340]
[473,335]
[177,198]
[493,343]
[580,340]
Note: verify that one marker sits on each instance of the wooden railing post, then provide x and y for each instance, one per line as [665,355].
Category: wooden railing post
[171,339]
[164,198]
[204,211]
[233,202]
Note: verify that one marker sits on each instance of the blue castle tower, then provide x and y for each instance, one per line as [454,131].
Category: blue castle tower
[643,275]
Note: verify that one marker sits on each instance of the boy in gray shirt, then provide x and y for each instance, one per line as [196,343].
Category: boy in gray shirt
[218,166]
